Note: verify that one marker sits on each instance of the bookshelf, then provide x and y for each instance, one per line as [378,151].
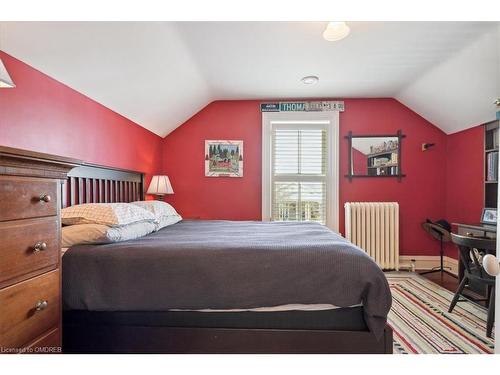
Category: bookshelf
[491,148]
[383,163]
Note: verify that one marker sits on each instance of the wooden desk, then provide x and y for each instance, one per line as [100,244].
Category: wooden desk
[475,230]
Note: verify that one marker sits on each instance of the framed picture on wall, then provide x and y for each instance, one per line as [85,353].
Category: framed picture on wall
[223,158]
[489,216]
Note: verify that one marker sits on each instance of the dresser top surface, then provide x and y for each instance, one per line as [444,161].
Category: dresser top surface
[478,226]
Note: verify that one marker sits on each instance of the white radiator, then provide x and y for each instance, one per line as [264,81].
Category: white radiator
[374,227]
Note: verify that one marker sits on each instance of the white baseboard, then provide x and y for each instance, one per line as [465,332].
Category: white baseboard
[427,262]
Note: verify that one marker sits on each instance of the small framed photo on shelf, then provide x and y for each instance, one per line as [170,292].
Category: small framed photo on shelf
[489,216]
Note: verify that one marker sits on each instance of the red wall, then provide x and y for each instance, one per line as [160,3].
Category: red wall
[464,178]
[197,196]
[359,162]
[42,114]
[420,194]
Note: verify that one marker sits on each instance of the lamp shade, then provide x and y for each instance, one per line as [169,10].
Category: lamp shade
[5,80]
[160,185]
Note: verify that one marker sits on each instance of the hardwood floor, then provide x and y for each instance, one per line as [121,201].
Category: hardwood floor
[443,279]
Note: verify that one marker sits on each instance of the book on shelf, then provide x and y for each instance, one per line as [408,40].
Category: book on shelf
[492,166]
[495,138]
[387,171]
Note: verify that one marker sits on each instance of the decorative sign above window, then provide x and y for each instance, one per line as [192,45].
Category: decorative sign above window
[302,106]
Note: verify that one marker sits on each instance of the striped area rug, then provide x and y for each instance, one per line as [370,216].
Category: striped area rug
[421,322]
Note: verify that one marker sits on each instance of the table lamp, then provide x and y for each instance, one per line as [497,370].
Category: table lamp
[160,185]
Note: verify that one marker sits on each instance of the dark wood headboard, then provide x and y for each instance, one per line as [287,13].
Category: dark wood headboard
[90,183]
[84,183]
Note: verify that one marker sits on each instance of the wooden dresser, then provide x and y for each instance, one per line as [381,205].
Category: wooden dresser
[30,250]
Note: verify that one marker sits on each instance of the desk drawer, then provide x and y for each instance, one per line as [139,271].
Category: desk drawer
[25,197]
[20,321]
[463,231]
[28,246]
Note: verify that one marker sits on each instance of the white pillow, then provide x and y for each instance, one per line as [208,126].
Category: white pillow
[98,234]
[157,208]
[165,221]
[110,214]
[130,232]
[164,213]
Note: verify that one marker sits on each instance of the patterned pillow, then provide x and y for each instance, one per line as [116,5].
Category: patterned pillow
[157,208]
[130,232]
[164,213]
[165,221]
[99,234]
[110,214]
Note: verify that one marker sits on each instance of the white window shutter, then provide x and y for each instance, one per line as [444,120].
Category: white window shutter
[299,172]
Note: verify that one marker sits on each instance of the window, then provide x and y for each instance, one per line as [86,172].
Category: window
[298,176]
[300,166]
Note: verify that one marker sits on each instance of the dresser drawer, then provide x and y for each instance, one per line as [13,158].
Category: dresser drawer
[48,343]
[25,197]
[28,247]
[21,321]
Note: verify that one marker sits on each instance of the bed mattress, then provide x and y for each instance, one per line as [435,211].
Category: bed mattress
[221,265]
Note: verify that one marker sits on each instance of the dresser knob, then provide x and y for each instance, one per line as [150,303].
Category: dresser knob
[39,246]
[41,305]
[45,198]
[470,234]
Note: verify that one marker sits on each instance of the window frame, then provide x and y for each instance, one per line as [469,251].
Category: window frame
[332,172]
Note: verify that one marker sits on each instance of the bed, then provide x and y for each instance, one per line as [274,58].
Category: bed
[218,286]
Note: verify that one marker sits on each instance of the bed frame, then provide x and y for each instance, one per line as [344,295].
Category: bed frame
[97,184]
[90,183]
[91,339]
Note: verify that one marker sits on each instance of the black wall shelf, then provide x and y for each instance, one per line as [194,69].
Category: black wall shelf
[491,143]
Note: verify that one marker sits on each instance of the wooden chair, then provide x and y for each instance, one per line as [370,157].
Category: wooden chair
[474,271]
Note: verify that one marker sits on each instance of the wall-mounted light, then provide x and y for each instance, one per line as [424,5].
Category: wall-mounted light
[426,146]
[336,31]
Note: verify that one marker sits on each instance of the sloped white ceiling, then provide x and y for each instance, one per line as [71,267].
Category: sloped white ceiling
[142,70]
[159,74]
[459,92]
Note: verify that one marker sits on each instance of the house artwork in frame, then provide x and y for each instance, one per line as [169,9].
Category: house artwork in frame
[223,158]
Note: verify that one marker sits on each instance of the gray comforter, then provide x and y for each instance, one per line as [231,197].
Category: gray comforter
[224,265]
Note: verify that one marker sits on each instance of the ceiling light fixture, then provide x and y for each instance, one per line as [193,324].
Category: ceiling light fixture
[336,31]
[310,80]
